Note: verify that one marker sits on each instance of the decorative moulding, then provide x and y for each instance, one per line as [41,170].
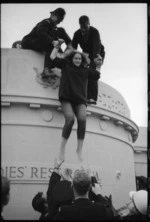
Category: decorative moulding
[103,125]
[32,105]
[105,117]
[118,122]
[47,115]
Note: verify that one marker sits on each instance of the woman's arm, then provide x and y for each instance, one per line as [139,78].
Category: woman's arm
[55,50]
[57,62]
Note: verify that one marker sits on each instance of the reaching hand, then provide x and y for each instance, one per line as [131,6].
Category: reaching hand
[61,41]
[96,188]
[57,164]
[86,55]
[66,174]
[55,43]
[67,52]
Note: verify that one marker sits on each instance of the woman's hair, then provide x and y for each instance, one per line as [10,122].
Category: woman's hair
[84,62]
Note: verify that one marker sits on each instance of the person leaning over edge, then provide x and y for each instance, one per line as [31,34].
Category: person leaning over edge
[82,208]
[44,35]
[88,37]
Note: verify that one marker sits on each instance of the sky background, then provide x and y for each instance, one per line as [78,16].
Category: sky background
[123,31]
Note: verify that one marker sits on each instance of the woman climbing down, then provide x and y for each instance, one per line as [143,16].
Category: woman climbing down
[73,95]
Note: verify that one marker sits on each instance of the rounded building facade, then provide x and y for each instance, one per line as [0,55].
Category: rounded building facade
[32,123]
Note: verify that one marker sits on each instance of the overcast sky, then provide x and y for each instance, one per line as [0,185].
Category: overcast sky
[123,31]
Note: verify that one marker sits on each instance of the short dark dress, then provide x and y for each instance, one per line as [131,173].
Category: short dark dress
[74,80]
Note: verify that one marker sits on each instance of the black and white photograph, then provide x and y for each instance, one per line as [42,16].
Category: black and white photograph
[74,120]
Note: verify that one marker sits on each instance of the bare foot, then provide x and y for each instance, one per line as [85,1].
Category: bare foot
[80,158]
[61,157]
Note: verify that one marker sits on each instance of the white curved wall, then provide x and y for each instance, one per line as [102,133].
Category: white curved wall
[31,134]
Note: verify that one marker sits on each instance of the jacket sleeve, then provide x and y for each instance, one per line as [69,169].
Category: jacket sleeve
[96,43]
[102,51]
[75,41]
[93,74]
[109,210]
[59,63]
[42,32]
[63,35]
[54,179]
[100,198]
[98,47]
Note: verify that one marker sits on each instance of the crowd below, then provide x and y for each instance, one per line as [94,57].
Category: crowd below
[79,198]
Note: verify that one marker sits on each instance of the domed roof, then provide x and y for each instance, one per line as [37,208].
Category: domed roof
[110,99]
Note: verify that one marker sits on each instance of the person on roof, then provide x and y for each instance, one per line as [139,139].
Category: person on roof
[44,36]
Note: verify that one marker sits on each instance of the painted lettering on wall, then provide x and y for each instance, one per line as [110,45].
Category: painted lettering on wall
[26,172]
[21,173]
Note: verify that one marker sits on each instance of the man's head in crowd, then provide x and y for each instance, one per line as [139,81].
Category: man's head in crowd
[81,183]
[39,203]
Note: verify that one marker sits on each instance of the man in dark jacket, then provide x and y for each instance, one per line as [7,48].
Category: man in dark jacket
[59,190]
[83,208]
[44,36]
[89,40]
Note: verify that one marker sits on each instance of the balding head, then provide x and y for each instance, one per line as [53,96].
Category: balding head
[81,181]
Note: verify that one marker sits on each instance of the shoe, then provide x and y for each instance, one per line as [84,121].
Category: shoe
[47,78]
[40,78]
[46,73]
[91,101]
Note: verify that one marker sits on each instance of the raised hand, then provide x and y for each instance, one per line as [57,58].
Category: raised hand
[96,189]
[61,41]
[57,163]
[55,43]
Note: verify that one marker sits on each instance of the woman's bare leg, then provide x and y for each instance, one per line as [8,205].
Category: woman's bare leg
[69,121]
[80,112]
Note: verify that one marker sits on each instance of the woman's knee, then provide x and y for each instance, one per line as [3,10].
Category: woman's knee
[81,120]
[81,128]
[70,120]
